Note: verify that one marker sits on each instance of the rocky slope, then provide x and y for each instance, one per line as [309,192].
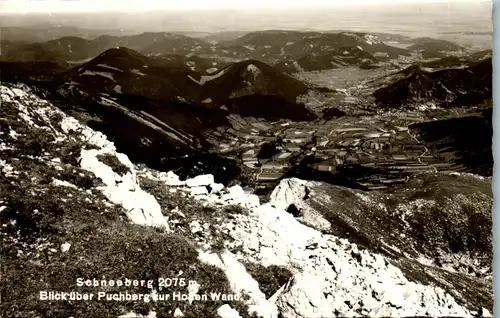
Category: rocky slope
[409,226]
[66,188]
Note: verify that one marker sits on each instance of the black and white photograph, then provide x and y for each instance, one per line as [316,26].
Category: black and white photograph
[246,159]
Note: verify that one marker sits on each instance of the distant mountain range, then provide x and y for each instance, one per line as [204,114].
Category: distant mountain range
[375,147]
[169,95]
[76,48]
[290,51]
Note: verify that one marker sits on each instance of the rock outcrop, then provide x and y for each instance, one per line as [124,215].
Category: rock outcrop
[334,273]
[349,280]
[141,207]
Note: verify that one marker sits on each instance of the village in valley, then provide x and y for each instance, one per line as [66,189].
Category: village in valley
[385,143]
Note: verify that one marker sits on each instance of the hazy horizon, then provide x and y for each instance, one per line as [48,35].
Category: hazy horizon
[67,6]
[404,17]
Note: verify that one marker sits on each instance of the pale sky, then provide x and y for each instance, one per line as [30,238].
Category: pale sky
[56,6]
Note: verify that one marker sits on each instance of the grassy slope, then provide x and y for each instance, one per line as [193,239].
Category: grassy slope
[38,216]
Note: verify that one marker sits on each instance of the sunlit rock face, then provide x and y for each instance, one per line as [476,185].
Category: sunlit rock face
[351,253]
[349,280]
[141,207]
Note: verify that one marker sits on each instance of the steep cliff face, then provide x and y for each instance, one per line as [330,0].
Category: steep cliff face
[73,206]
[437,228]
